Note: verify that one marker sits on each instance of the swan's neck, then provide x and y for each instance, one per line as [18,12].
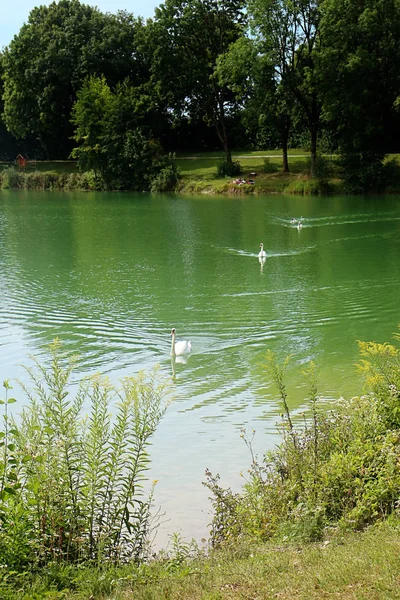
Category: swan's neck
[173,344]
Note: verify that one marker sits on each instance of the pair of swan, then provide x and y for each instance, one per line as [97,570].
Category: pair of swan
[298,223]
[181,347]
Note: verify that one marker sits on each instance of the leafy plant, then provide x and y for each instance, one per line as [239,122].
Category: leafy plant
[341,469]
[225,168]
[73,481]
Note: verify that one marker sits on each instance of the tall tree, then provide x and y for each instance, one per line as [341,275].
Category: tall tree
[8,144]
[46,63]
[361,69]
[361,72]
[189,36]
[288,32]
[112,138]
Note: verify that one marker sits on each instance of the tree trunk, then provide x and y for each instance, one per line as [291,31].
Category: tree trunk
[285,138]
[313,139]
[223,133]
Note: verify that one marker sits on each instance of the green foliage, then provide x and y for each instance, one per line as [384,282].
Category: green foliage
[72,486]
[228,168]
[288,34]
[190,37]
[42,180]
[11,179]
[361,58]
[342,469]
[166,180]
[122,154]
[366,172]
[323,168]
[48,60]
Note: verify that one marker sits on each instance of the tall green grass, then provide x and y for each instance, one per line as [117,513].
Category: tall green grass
[73,468]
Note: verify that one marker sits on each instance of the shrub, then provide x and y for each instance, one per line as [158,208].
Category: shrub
[230,169]
[71,486]
[166,180]
[341,469]
[367,172]
[12,179]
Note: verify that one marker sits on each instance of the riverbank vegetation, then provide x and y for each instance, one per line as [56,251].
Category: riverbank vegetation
[260,173]
[121,95]
[75,520]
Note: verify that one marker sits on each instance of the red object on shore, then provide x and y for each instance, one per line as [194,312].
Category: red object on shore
[21,160]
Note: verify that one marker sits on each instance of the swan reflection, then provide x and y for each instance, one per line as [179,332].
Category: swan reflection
[182,360]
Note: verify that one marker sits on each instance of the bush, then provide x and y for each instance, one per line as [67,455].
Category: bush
[71,488]
[166,180]
[228,169]
[368,172]
[12,179]
[341,469]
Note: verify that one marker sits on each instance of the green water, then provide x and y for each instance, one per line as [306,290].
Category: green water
[110,274]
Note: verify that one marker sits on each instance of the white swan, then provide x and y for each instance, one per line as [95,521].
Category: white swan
[181,347]
[262,253]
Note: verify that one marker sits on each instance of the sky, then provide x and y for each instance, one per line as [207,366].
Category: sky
[14,14]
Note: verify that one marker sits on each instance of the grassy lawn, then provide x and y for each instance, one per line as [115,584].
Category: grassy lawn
[55,166]
[199,170]
[219,154]
[356,566]
[352,566]
[199,173]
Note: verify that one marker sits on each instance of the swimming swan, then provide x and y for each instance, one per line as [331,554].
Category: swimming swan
[181,347]
[262,253]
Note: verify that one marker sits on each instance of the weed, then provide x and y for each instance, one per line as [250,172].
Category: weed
[72,486]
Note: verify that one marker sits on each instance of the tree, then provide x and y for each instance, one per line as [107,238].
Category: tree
[250,75]
[288,33]
[112,137]
[48,60]
[8,147]
[361,71]
[189,37]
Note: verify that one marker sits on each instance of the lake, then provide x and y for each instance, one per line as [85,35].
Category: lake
[111,274]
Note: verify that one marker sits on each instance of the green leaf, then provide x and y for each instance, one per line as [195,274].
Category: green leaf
[11,401]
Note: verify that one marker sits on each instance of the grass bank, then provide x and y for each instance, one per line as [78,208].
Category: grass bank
[198,175]
[351,566]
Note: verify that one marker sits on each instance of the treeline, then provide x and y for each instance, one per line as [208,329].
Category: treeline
[118,93]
